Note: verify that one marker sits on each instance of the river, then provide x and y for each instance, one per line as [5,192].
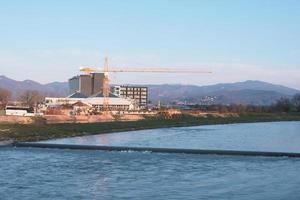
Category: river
[272,136]
[28,173]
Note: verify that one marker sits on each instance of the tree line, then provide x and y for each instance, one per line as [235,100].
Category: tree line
[28,97]
[288,105]
[282,105]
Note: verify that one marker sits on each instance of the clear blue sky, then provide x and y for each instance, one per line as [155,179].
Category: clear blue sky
[238,39]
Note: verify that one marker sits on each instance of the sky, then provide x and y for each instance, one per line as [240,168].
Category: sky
[237,40]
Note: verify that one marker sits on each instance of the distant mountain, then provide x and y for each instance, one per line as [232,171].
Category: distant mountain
[251,85]
[61,88]
[248,92]
[247,96]
[51,89]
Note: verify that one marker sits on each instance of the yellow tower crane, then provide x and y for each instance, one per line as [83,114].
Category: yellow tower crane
[106,71]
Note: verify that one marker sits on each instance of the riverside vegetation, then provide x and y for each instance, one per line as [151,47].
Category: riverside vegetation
[39,131]
[284,109]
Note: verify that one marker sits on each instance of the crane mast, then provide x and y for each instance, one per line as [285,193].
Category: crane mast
[105,87]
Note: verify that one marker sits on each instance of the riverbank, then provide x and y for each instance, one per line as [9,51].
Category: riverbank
[33,132]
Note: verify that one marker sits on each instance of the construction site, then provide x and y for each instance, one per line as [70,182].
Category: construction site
[92,99]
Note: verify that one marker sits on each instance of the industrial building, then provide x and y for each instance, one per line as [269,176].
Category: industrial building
[95,102]
[87,84]
[87,97]
[136,93]
[89,94]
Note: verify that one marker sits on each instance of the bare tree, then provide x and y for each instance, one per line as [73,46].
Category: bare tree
[5,95]
[223,109]
[284,105]
[296,102]
[30,97]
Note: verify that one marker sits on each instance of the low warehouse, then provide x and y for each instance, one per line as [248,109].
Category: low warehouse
[79,101]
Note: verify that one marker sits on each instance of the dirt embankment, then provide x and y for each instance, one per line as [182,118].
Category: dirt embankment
[130,117]
[214,114]
[51,119]
[58,119]
[54,119]
[16,120]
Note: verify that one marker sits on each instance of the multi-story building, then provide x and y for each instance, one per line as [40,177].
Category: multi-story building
[136,93]
[97,82]
[87,84]
[74,84]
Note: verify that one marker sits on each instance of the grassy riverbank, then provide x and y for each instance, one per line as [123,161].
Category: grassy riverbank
[51,131]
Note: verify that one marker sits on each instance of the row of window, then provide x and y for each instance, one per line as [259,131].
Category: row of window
[134,89]
[137,93]
[113,107]
[137,97]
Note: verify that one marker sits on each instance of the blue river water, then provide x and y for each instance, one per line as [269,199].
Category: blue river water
[273,136]
[32,173]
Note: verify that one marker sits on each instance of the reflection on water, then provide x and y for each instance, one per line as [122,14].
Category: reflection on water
[274,136]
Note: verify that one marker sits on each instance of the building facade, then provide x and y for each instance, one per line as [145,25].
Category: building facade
[87,84]
[115,103]
[74,84]
[136,93]
[97,82]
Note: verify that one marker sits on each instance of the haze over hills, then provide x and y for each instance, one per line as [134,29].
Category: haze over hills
[248,92]
[52,89]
